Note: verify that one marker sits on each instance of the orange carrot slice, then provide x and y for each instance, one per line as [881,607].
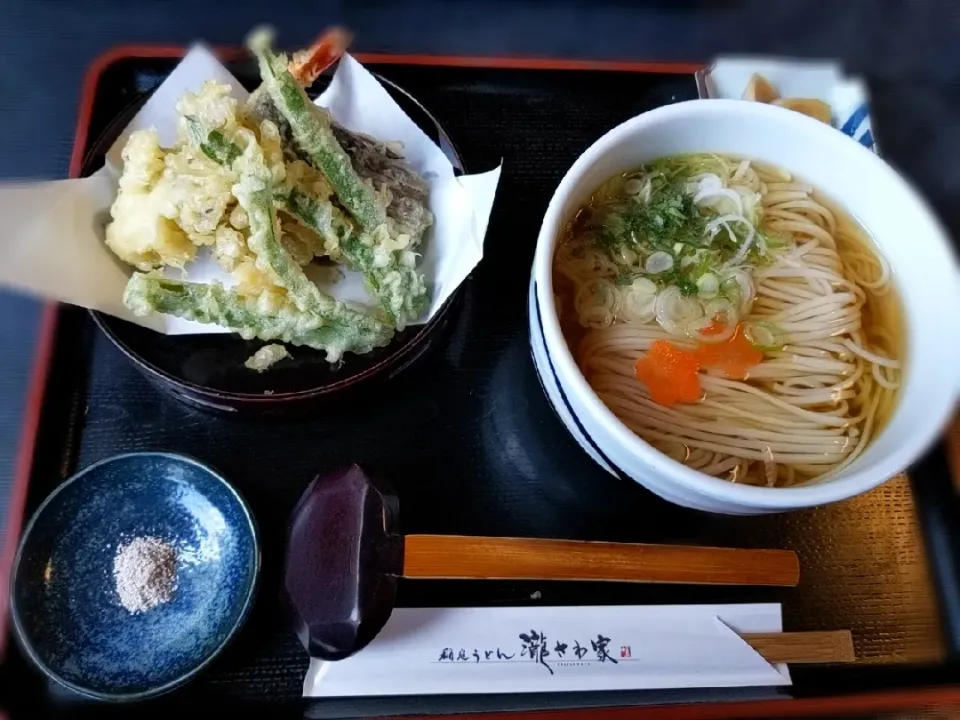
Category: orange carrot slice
[671,374]
[716,326]
[733,358]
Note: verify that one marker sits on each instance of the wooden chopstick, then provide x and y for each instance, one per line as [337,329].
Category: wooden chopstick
[834,646]
[453,556]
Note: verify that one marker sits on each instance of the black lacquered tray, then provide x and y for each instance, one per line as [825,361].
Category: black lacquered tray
[470,442]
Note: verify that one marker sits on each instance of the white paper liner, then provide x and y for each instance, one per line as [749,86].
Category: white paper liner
[53,242]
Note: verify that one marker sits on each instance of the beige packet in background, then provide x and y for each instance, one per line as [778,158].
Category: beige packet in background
[818,89]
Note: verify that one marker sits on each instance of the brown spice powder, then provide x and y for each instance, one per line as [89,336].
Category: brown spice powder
[145,573]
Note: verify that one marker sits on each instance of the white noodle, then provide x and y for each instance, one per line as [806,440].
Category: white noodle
[810,408]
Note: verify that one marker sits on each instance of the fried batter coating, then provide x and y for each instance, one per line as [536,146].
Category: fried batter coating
[141,234]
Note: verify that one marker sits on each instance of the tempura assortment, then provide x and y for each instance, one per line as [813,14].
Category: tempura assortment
[267,188]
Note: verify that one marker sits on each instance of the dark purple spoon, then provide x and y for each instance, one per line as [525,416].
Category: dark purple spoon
[343,559]
[345,554]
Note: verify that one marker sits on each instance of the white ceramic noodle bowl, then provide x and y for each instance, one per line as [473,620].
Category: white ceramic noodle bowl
[899,221]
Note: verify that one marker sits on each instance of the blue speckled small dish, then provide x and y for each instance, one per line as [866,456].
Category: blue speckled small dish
[66,612]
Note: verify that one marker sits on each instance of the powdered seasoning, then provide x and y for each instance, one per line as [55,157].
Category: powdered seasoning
[145,573]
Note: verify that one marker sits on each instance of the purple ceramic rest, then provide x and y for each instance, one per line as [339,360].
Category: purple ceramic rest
[345,554]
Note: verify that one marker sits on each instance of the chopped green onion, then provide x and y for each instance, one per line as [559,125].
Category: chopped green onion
[674,311]
[738,288]
[639,301]
[658,262]
[708,286]
[686,286]
[626,256]
[763,335]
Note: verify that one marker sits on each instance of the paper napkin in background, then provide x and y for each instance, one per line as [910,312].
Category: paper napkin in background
[53,231]
[727,77]
[424,651]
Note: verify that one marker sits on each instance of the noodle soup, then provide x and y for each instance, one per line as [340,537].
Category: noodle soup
[732,318]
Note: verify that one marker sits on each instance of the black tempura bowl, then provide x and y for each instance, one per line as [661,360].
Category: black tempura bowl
[208,371]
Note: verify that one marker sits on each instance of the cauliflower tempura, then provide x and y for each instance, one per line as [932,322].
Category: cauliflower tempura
[141,234]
